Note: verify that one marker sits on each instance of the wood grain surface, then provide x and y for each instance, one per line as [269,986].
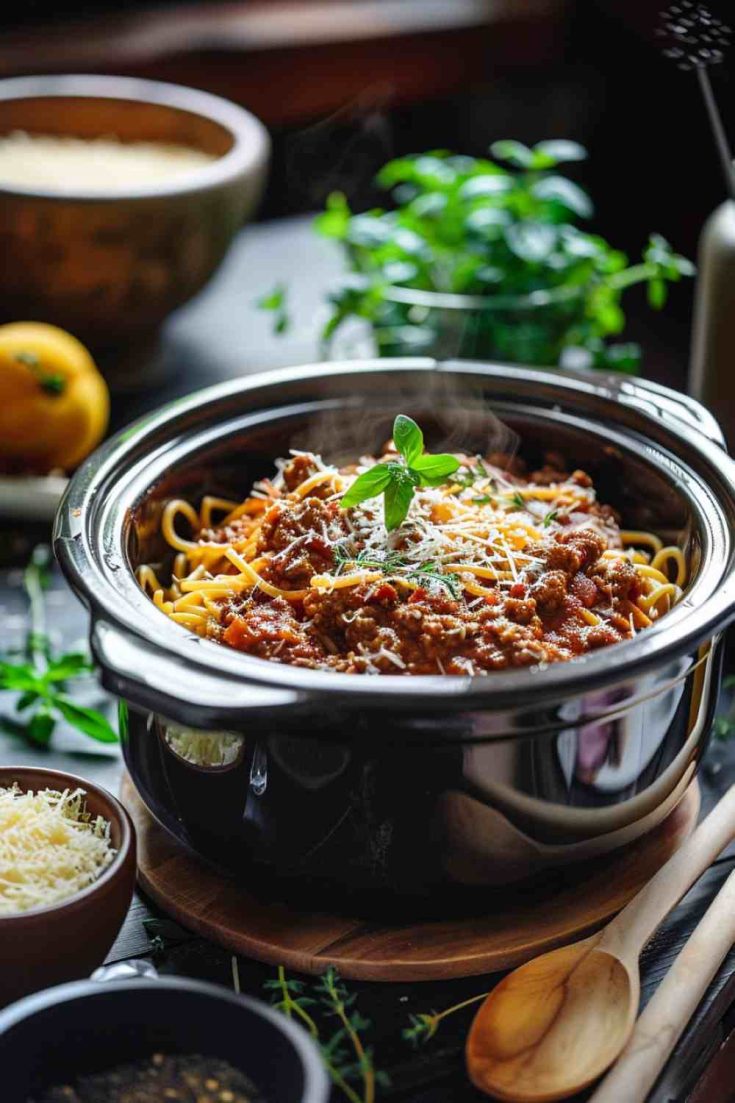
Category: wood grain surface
[208,903]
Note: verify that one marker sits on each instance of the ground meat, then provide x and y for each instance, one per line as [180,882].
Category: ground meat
[520,610]
[550,591]
[302,534]
[537,612]
[616,579]
[299,469]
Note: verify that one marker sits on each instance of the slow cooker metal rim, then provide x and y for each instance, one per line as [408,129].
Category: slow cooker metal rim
[111,523]
[594,669]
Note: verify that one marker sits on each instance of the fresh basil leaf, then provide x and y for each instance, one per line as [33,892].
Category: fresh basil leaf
[514,152]
[368,485]
[334,222]
[408,438]
[531,241]
[557,189]
[435,469]
[623,357]
[86,720]
[26,700]
[274,300]
[398,496]
[479,187]
[558,150]
[40,728]
[656,293]
[70,665]
[20,676]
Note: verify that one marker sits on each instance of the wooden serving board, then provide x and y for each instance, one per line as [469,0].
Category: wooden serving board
[204,900]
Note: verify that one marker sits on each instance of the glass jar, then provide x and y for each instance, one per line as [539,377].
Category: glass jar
[524,329]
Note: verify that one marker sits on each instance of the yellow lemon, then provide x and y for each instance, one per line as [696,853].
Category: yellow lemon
[54,404]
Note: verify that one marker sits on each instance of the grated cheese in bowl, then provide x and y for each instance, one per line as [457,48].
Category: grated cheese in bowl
[51,847]
[106,165]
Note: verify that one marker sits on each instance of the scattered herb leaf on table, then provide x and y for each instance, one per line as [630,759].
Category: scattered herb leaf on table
[44,680]
[347,1059]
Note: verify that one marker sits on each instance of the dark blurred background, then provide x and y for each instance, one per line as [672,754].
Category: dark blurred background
[345,84]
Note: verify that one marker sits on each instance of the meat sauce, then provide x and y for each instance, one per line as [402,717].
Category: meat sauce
[384,627]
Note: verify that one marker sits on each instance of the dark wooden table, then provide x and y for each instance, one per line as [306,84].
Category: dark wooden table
[219,336]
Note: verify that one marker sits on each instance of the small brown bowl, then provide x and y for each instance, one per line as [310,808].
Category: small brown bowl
[45,946]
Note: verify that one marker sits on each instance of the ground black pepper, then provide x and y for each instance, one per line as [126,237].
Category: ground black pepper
[190,1078]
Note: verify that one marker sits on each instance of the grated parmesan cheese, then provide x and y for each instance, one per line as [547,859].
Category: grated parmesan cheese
[50,847]
[106,165]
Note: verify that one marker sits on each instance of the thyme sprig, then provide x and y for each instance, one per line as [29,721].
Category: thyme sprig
[347,1059]
[394,565]
[424,1026]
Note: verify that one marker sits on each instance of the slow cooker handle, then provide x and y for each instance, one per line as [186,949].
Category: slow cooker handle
[665,403]
[132,669]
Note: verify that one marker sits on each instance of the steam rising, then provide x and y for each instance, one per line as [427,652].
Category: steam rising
[451,410]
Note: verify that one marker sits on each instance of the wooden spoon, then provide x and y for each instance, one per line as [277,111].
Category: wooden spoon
[550,1028]
[672,1004]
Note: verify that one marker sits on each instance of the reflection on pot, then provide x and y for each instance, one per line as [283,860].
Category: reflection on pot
[213,750]
[416,820]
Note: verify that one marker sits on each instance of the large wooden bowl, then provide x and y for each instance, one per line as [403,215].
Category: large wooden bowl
[111,267]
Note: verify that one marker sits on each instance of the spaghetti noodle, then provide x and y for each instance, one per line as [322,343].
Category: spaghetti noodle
[489,571]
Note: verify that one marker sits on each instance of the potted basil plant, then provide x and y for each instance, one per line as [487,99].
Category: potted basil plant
[480,260]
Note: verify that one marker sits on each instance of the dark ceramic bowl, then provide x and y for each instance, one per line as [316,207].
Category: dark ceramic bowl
[67,940]
[53,1036]
[425,786]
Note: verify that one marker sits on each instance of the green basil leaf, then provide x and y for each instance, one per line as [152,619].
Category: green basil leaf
[514,152]
[408,438]
[68,666]
[19,676]
[368,485]
[557,189]
[433,470]
[557,150]
[89,721]
[480,187]
[531,241]
[274,300]
[398,497]
[26,700]
[657,293]
[334,222]
[40,728]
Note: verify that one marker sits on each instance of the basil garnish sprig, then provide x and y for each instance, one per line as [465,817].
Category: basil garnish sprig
[397,480]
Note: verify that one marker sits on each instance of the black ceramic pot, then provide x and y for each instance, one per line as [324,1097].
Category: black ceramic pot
[52,1037]
[423,786]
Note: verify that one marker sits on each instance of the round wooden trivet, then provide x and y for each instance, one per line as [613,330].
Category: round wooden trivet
[204,900]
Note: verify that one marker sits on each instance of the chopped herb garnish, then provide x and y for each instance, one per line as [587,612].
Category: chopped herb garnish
[467,476]
[397,481]
[276,301]
[550,516]
[397,566]
[518,500]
